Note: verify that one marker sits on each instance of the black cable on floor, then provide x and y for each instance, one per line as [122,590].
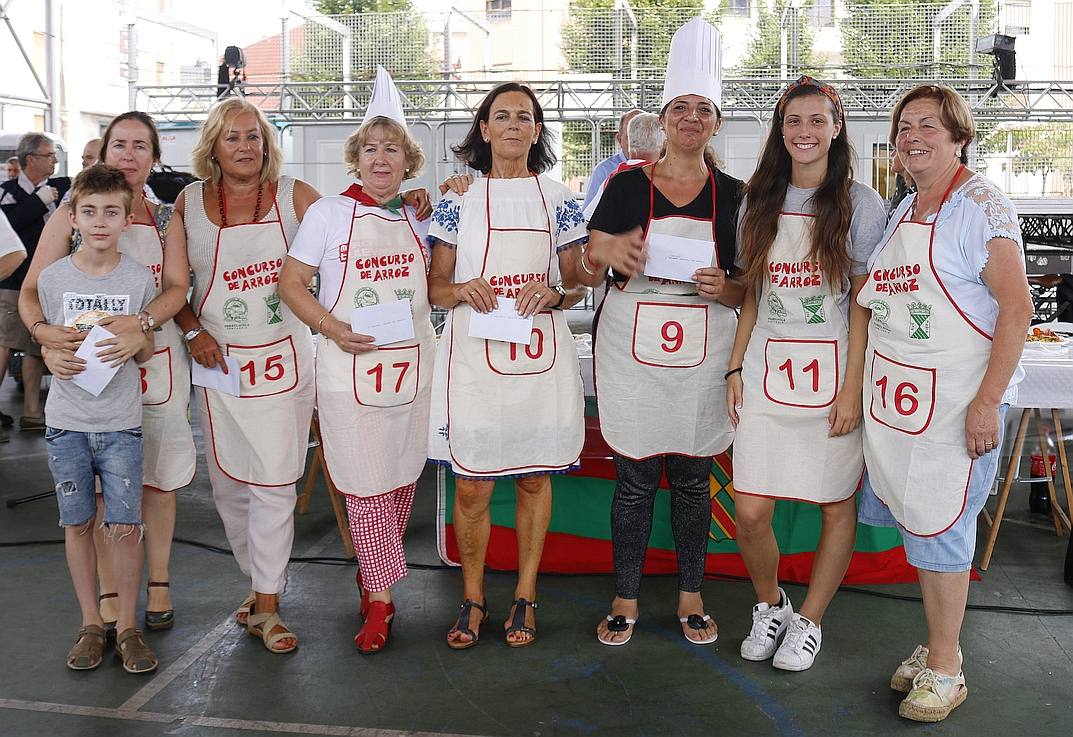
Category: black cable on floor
[326,560]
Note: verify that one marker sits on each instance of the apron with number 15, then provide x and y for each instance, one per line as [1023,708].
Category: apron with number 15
[259,437]
[659,357]
[924,364]
[374,406]
[794,368]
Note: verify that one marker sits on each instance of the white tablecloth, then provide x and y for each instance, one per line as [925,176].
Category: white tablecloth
[1048,381]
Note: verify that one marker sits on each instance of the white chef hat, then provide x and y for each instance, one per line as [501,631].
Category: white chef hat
[695,63]
[386,101]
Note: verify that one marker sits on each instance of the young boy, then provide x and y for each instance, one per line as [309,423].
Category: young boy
[100,436]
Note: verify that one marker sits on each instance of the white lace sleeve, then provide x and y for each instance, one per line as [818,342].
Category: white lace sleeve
[997,208]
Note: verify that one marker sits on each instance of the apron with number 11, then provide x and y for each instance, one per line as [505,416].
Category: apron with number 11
[259,437]
[659,357]
[793,370]
[923,367]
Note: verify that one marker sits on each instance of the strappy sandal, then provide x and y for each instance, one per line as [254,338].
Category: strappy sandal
[242,614]
[372,637]
[517,624]
[137,657]
[462,625]
[109,627]
[261,625]
[617,623]
[88,649]
[163,619]
[700,623]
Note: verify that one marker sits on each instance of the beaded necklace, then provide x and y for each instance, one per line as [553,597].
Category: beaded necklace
[222,203]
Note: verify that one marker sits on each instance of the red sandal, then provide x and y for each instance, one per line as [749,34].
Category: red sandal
[373,635]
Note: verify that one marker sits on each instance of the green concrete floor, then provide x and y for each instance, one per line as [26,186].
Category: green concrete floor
[216,680]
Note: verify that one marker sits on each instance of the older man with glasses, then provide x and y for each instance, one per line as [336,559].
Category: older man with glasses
[27,201]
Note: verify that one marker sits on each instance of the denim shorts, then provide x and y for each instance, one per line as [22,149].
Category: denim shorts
[76,458]
[953,550]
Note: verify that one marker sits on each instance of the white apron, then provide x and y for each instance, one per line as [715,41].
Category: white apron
[503,409]
[924,364]
[794,368]
[259,437]
[660,352]
[170,456]
[373,407]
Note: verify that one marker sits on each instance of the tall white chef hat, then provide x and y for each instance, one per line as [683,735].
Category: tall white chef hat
[695,63]
[386,101]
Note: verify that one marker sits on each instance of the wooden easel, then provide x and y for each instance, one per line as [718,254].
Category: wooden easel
[319,466]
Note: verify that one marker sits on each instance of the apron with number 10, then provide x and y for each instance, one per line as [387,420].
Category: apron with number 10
[259,437]
[170,456]
[659,358]
[794,368]
[374,406]
[923,367]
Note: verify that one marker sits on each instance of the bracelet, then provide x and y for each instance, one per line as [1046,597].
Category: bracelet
[320,322]
[33,329]
[730,373]
[583,266]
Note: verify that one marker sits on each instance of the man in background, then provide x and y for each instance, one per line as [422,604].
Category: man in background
[644,144]
[604,168]
[13,168]
[91,154]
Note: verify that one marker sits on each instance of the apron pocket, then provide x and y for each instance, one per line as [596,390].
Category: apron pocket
[156,378]
[514,359]
[936,486]
[266,370]
[387,377]
[801,373]
[903,395]
[670,335]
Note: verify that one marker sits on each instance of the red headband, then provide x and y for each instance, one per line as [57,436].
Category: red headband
[823,87]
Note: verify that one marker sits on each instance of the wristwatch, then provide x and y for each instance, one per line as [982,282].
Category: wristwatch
[562,296]
[191,334]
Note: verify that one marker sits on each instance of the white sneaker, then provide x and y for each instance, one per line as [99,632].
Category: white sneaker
[902,680]
[800,646]
[769,622]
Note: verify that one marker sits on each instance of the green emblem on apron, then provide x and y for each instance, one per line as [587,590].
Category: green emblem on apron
[366,297]
[880,314]
[275,315]
[776,309]
[813,306]
[919,320]
[236,313]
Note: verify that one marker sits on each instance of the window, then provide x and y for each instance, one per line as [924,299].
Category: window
[497,9]
[822,13]
[738,8]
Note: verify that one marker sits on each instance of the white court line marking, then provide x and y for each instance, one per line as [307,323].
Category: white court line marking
[330,730]
[161,681]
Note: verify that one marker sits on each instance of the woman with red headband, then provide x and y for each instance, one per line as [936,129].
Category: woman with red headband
[796,368]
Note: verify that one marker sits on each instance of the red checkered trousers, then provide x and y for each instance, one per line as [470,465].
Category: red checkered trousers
[377,526]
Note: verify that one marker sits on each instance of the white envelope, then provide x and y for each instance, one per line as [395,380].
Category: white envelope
[677,258]
[215,378]
[503,323]
[97,373]
[387,322]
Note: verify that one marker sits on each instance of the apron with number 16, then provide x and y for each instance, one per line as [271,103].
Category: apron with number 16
[170,457]
[924,364]
[374,406]
[259,437]
[794,368]
[659,357]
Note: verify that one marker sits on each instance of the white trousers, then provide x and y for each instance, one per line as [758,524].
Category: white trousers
[259,522]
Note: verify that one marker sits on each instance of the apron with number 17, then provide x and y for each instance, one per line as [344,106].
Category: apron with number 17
[923,367]
[511,409]
[170,457]
[793,371]
[373,407]
[660,353]
[259,437]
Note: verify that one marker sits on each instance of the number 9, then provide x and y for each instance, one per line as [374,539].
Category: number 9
[672,331]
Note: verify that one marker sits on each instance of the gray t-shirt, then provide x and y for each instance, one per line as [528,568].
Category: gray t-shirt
[865,228]
[72,297]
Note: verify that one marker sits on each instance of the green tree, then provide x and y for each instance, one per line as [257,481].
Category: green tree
[1034,149]
[763,56]
[893,38]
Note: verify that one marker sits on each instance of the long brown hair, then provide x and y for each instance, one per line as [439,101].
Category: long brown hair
[831,203]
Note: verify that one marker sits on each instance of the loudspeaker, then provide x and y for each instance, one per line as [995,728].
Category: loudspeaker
[234,57]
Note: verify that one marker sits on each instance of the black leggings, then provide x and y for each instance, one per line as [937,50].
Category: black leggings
[631,517]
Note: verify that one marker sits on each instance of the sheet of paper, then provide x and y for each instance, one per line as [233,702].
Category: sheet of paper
[387,322]
[215,378]
[97,373]
[674,257]
[503,323]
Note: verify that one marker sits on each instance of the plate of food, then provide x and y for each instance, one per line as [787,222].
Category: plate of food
[1045,337]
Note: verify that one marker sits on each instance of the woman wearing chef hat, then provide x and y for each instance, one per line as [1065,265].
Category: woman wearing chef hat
[807,230]
[662,342]
[372,393]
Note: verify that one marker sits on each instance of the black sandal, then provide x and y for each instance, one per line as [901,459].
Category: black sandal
[158,620]
[462,625]
[517,624]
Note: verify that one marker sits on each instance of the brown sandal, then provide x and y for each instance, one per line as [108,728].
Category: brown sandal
[137,657]
[88,649]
